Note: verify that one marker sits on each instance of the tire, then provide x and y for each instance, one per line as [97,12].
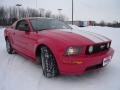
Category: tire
[49,65]
[9,47]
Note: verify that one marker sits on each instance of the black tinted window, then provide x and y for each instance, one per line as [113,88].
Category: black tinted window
[22,25]
[41,24]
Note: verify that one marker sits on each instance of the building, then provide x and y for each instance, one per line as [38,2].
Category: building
[82,23]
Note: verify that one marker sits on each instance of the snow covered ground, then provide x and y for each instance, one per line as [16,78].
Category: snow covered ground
[18,73]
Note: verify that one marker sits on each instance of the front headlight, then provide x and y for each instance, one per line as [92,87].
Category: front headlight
[90,49]
[108,45]
[73,51]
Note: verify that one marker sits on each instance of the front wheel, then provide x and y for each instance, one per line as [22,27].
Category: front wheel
[49,64]
[9,47]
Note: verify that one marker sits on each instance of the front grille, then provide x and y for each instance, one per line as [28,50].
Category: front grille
[98,48]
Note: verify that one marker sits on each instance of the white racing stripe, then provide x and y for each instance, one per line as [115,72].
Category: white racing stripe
[100,36]
[91,36]
[97,35]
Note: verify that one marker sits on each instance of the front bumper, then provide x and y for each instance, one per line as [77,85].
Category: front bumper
[80,64]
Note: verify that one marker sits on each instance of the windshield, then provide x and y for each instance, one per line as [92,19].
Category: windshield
[44,24]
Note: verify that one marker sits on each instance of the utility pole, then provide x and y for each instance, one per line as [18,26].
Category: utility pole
[59,11]
[72,12]
[18,14]
[36,4]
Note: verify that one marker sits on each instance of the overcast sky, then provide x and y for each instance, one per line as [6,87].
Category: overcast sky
[97,10]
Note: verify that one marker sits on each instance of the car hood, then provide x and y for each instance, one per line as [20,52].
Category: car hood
[74,37]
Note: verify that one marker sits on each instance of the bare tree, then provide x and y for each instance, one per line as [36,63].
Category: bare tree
[41,12]
[48,14]
[9,15]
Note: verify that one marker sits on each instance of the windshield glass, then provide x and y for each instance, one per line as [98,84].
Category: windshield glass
[44,24]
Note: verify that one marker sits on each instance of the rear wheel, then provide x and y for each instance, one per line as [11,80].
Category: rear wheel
[48,62]
[9,47]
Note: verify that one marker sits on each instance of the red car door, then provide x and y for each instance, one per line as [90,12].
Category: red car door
[23,40]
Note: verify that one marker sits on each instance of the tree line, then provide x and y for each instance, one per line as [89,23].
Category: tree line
[11,14]
[109,24]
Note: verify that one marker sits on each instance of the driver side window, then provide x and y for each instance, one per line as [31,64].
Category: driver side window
[22,25]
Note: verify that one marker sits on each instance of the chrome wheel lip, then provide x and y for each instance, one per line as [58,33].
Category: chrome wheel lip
[43,58]
[43,64]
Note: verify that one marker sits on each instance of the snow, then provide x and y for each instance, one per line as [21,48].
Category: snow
[18,73]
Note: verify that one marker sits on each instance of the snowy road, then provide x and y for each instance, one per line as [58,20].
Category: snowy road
[18,73]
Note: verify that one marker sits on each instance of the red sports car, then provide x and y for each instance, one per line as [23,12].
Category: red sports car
[57,47]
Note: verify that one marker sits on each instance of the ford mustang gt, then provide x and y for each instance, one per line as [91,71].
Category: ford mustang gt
[57,47]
